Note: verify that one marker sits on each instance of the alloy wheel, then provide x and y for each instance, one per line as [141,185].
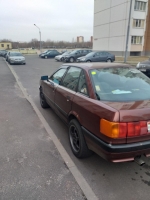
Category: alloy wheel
[74,139]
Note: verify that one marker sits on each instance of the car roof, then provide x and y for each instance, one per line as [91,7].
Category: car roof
[88,66]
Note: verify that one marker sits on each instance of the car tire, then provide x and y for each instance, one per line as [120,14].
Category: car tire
[77,141]
[71,59]
[109,60]
[45,57]
[88,61]
[43,102]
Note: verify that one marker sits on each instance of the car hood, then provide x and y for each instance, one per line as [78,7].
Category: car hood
[132,111]
[17,57]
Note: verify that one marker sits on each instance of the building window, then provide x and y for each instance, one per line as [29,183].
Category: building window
[140,5]
[2,45]
[136,40]
[138,23]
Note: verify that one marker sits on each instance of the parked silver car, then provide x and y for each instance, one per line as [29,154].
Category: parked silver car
[15,58]
[144,67]
[62,56]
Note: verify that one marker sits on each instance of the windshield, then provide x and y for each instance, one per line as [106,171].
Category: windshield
[45,51]
[75,51]
[90,54]
[66,53]
[15,54]
[120,84]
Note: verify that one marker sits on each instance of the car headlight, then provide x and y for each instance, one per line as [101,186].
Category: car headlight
[82,59]
[138,65]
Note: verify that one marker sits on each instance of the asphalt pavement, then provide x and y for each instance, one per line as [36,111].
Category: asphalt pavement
[109,181]
[31,167]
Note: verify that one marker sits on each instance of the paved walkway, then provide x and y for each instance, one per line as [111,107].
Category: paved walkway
[30,166]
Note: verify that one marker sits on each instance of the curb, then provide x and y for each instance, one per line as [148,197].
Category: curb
[86,189]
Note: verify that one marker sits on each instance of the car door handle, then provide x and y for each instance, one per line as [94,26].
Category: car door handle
[68,98]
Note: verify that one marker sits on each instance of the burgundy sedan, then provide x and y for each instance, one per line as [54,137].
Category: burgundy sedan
[107,108]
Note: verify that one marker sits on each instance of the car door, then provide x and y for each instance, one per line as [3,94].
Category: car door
[102,57]
[51,54]
[85,52]
[95,57]
[51,85]
[77,54]
[65,92]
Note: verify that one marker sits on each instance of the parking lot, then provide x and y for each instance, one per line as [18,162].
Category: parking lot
[107,180]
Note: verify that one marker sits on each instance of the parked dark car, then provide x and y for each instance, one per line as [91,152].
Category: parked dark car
[3,53]
[72,57]
[43,53]
[50,54]
[100,56]
[106,106]
[144,67]
[16,58]
[7,55]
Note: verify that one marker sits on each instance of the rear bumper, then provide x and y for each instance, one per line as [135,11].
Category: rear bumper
[116,153]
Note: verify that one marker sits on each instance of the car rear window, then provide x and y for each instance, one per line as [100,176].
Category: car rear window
[120,84]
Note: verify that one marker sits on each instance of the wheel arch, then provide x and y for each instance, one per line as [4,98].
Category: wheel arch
[74,115]
[89,60]
[109,58]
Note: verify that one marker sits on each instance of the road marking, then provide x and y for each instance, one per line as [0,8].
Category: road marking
[87,190]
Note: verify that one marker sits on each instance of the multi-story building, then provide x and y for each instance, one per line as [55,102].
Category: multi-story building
[80,39]
[5,45]
[111,22]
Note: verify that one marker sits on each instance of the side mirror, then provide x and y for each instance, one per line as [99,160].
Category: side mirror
[44,78]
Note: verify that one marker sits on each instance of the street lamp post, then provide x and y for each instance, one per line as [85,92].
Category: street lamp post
[40,35]
[128,31]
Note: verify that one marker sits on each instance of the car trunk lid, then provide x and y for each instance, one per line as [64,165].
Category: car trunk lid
[137,116]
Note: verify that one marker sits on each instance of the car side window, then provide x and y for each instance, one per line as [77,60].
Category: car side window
[56,78]
[52,53]
[104,53]
[82,86]
[97,54]
[85,51]
[71,78]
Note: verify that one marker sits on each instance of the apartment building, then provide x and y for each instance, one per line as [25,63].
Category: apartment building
[111,22]
[80,39]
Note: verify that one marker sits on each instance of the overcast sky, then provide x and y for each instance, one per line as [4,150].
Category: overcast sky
[57,19]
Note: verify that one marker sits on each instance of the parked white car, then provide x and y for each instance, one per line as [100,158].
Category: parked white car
[16,58]
[61,57]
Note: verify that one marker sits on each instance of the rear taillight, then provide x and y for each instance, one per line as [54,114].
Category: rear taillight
[137,128]
[113,129]
[123,130]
